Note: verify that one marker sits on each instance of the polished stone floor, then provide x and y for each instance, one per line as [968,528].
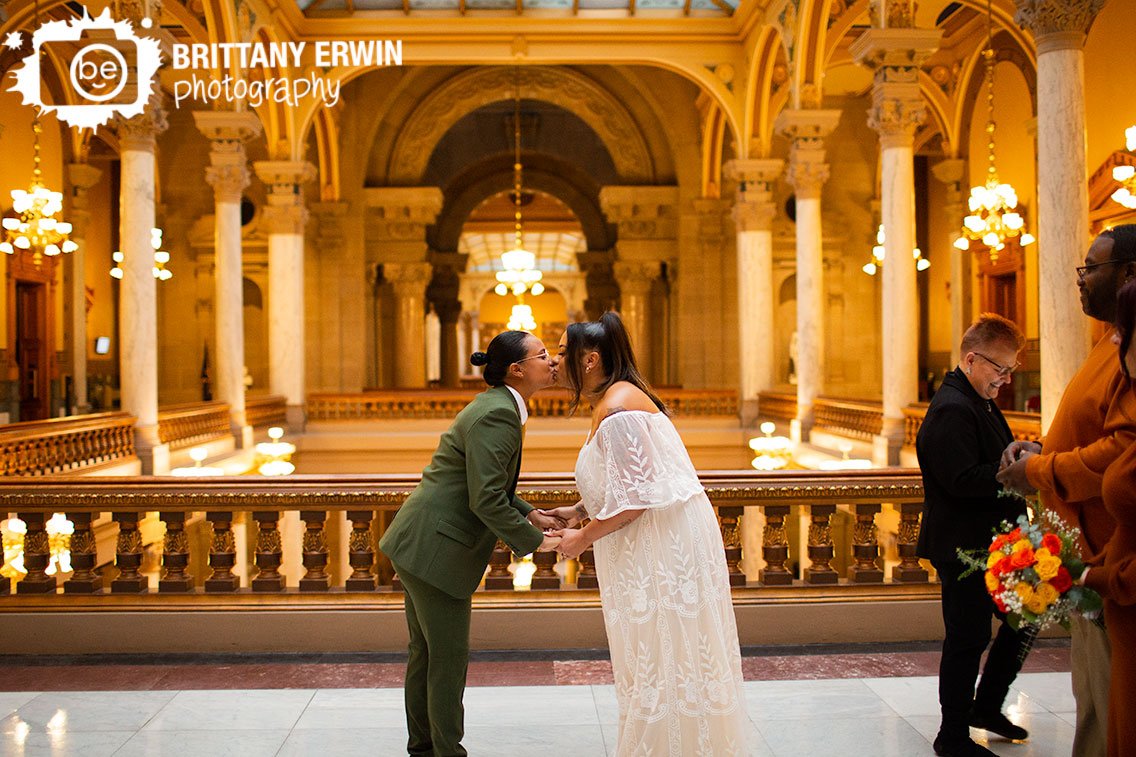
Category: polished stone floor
[844,702]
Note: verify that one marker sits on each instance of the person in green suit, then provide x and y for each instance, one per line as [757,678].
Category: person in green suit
[441,538]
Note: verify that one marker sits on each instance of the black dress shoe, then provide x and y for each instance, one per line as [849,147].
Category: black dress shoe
[961,748]
[996,722]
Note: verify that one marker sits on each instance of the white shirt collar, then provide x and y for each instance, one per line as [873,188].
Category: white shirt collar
[520,404]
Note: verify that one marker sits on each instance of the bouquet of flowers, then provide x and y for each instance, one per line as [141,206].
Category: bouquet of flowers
[1030,568]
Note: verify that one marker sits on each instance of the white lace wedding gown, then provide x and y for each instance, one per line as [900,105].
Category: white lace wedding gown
[665,593]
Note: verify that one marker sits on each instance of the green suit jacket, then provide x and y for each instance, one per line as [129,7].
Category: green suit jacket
[445,531]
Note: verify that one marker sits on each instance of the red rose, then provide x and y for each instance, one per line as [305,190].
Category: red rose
[1062,581]
[1022,559]
[1014,535]
[1052,542]
[1000,605]
[999,542]
[1002,567]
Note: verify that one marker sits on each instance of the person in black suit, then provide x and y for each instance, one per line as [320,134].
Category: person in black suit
[959,447]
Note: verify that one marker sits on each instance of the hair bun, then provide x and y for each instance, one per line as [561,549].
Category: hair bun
[479,358]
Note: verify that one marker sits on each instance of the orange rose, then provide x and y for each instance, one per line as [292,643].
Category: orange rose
[1022,558]
[999,542]
[994,559]
[1003,567]
[1052,542]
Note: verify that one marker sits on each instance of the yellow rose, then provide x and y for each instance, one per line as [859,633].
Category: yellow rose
[1024,591]
[1035,604]
[1042,552]
[991,582]
[1022,544]
[994,559]
[1047,593]
[1047,568]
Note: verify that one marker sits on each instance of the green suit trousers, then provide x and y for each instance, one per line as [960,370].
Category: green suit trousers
[436,668]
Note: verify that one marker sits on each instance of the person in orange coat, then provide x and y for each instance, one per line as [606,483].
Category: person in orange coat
[1090,430]
[1116,579]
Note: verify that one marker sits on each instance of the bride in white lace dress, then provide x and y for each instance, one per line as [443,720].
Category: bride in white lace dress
[659,559]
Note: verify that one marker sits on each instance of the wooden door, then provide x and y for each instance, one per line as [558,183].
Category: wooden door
[31,350]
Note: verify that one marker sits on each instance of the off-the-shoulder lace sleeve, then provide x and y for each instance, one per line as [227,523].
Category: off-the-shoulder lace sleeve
[645,463]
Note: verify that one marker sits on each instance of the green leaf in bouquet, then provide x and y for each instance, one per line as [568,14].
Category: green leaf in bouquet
[1029,575]
[1090,601]
[973,559]
[1015,621]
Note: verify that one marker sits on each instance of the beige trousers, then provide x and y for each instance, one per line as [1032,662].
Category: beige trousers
[1091,658]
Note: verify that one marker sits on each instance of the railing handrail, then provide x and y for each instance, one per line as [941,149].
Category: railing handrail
[64,425]
[187,409]
[387,491]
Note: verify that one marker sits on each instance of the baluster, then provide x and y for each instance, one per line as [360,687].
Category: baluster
[820,546]
[775,547]
[499,578]
[37,555]
[732,541]
[865,547]
[586,578]
[222,554]
[361,552]
[84,556]
[128,556]
[909,570]
[545,577]
[315,551]
[269,552]
[175,555]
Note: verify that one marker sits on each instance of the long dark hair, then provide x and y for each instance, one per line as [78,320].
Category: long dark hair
[1126,320]
[608,337]
[506,348]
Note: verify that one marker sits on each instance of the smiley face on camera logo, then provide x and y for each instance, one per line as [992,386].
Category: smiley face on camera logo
[107,69]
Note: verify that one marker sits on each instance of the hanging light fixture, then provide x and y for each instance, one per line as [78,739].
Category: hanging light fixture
[993,216]
[161,257]
[37,229]
[521,274]
[877,261]
[1126,175]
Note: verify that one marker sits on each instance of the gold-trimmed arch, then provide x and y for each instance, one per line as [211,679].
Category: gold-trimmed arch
[473,89]
[326,131]
[713,139]
[810,52]
[758,123]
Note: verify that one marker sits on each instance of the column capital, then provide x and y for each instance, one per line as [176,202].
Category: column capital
[284,176]
[754,174]
[641,212]
[408,279]
[753,216]
[284,218]
[1057,24]
[140,132]
[227,132]
[401,213]
[636,272]
[904,48]
[896,54]
[806,123]
[83,176]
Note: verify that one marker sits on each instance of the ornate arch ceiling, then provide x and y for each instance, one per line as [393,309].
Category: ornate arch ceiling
[645,8]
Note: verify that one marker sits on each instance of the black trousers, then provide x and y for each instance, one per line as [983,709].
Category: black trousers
[967,613]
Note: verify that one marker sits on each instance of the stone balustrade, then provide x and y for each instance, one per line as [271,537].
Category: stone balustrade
[224,537]
[66,445]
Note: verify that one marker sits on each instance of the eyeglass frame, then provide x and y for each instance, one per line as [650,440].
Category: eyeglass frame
[543,353]
[1082,269]
[1003,370]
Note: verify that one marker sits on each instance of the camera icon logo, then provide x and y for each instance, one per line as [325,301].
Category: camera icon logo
[110,70]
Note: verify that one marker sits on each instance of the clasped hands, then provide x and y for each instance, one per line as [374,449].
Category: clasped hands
[1012,470]
[560,534]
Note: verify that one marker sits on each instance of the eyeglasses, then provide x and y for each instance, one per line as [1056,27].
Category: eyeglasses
[1003,370]
[543,355]
[1082,269]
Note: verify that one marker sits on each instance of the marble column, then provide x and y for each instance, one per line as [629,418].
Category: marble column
[952,172]
[1059,28]
[82,177]
[409,281]
[807,174]
[285,217]
[228,174]
[897,111]
[138,314]
[753,219]
[635,280]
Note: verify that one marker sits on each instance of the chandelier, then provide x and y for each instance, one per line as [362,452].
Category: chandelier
[771,452]
[1126,175]
[161,257]
[877,261]
[520,273]
[993,217]
[37,229]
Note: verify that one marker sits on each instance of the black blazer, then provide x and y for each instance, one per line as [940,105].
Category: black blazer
[959,446]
